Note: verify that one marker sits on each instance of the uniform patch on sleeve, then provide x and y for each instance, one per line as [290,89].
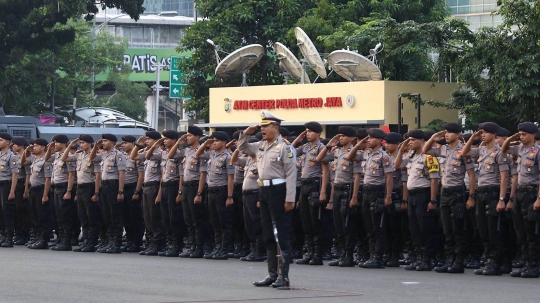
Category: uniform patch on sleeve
[48,167]
[386,161]
[432,164]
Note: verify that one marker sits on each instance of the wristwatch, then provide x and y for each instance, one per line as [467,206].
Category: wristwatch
[136,192]
[433,201]
[501,198]
[179,192]
[120,192]
[96,193]
[404,201]
[330,201]
[199,193]
[229,197]
[472,196]
[68,190]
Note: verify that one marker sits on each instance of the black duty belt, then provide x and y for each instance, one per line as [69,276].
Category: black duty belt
[4,182]
[191,183]
[527,187]
[151,183]
[374,188]
[421,190]
[309,181]
[215,189]
[109,182]
[238,185]
[342,186]
[37,187]
[250,192]
[86,185]
[488,189]
[169,183]
[130,185]
[60,185]
[453,189]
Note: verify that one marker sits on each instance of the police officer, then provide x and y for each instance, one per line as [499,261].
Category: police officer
[9,171]
[453,210]
[220,190]
[22,205]
[88,185]
[422,185]
[243,247]
[527,202]
[40,185]
[192,191]
[312,192]
[492,181]
[345,196]
[63,177]
[277,176]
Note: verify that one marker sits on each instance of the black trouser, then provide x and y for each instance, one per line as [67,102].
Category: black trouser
[42,217]
[152,213]
[22,208]
[132,215]
[454,221]
[76,222]
[296,232]
[7,209]
[64,210]
[272,202]
[240,234]
[311,212]
[525,227]
[89,213]
[194,214]
[221,216]
[372,219]
[393,218]
[113,210]
[422,222]
[172,213]
[342,214]
[252,215]
[362,241]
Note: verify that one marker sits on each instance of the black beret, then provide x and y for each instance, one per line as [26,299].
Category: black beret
[347,131]
[528,127]
[31,141]
[236,135]
[417,134]
[41,141]
[258,136]
[376,133]
[194,130]
[314,126]
[21,141]
[153,135]
[452,127]
[325,141]
[5,136]
[361,133]
[129,138]
[222,136]
[466,137]
[253,140]
[60,138]
[428,134]
[171,134]
[489,127]
[503,132]
[109,137]
[477,142]
[537,136]
[442,141]
[75,147]
[284,132]
[180,134]
[86,138]
[393,138]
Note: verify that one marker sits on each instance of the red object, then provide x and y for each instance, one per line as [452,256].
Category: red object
[386,129]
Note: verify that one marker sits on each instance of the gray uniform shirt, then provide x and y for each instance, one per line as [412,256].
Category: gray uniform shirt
[86,169]
[453,164]
[169,167]
[8,165]
[342,166]
[421,168]
[251,174]
[193,166]
[239,174]
[490,164]
[310,167]
[40,170]
[133,167]
[358,168]
[24,170]
[152,167]
[396,174]
[219,167]
[378,164]
[61,169]
[275,160]
[528,163]
[111,164]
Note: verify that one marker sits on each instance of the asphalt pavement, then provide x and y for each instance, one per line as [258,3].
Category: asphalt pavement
[49,276]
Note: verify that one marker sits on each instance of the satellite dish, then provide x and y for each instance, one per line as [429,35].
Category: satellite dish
[310,52]
[353,66]
[240,62]
[289,64]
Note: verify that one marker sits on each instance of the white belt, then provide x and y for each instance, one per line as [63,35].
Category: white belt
[270,182]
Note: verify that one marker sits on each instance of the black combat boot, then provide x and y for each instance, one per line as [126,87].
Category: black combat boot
[186,253]
[491,269]
[83,245]
[197,253]
[116,247]
[348,260]
[252,248]
[524,268]
[376,262]
[317,256]
[8,242]
[272,269]
[153,250]
[283,280]
[103,249]
[532,272]
[339,259]
[307,256]
[243,252]
[414,262]
[65,244]
[174,249]
[394,261]
[211,254]
[444,268]
[90,246]
[42,243]
[425,265]
[21,239]
[222,254]
[457,267]
[259,254]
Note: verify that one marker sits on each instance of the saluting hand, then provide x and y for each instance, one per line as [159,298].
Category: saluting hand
[438,136]
[250,130]
[141,139]
[74,142]
[231,144]
[334,141]
[477,135]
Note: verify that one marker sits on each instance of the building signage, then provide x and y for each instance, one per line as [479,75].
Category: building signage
[293,103]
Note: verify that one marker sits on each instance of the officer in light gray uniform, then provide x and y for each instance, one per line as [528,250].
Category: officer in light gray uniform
[63,179]
[9,171]
[240,234]
[22,205]
[113,168]
[87,187]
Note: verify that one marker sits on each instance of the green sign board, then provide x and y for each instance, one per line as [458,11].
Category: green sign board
[142,62]
[175,84]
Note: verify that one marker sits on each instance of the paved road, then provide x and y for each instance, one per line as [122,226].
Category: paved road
[49,276]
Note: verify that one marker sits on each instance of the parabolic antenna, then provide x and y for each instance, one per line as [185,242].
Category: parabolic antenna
[310,52]
[353,66]
[240,62]
[288,63]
